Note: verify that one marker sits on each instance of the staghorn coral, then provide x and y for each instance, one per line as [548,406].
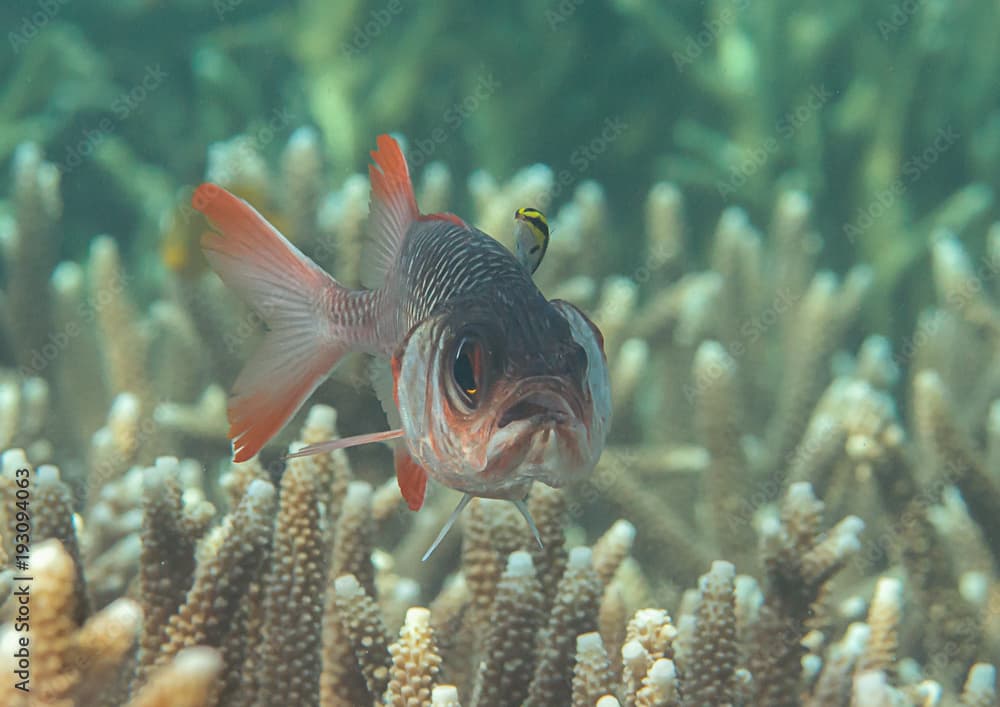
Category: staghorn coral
[188,680]
[353,544]
[956,458]
[20,486]
[713,658]
[410,669]
[353,616]
[54,625]
[795,555]
[290,644]
[649,636]
[591,671]
[736,393]
[518,613]
[167,563]
[574,612]
[74,662]
[883,622]
[415,662]
[229,560]
[29,244]
[980,688]
[719,424]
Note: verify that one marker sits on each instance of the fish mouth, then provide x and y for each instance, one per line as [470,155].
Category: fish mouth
[541,433]
[539,407]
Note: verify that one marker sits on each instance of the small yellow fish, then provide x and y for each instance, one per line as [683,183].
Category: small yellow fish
[531,233]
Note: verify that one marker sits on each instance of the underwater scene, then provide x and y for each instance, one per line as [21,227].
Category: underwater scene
[560,353]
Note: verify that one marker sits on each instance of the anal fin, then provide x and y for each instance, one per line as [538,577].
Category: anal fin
[411,477]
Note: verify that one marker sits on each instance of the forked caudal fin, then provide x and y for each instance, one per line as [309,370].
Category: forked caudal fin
[292,295]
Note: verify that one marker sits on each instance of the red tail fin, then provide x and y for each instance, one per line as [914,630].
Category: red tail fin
[290,293]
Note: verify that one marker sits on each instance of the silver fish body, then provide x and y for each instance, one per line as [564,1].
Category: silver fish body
[543,409]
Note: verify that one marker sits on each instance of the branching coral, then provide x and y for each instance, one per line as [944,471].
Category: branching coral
[71,663]
[518,612]
[799,562]
[715,660]
[738,408]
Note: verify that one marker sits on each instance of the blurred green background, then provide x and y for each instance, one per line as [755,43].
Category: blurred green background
[886,113]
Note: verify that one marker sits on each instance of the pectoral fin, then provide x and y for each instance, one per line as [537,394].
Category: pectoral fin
[411,477]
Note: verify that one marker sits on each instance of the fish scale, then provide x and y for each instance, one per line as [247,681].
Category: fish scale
[443,261]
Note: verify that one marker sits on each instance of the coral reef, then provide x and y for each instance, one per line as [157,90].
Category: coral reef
[789,512]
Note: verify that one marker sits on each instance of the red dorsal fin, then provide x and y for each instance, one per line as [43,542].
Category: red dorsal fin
[393,209]
[411,477]
[444,216]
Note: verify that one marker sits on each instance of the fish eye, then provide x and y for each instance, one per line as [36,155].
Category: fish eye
[467,369]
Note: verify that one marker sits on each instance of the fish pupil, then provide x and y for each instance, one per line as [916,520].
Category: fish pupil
[464,369]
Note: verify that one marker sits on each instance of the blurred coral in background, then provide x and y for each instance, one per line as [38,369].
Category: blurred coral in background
[781,215]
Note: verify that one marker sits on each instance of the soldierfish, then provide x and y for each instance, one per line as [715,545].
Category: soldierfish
[488,385]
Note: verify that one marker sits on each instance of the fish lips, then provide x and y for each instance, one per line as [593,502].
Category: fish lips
[541,401]
[541,434]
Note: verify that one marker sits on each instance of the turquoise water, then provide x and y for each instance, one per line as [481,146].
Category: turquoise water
[728,99]
[782,215]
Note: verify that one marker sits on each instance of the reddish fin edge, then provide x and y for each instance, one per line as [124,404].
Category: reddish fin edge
[411,477]
[444,216]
